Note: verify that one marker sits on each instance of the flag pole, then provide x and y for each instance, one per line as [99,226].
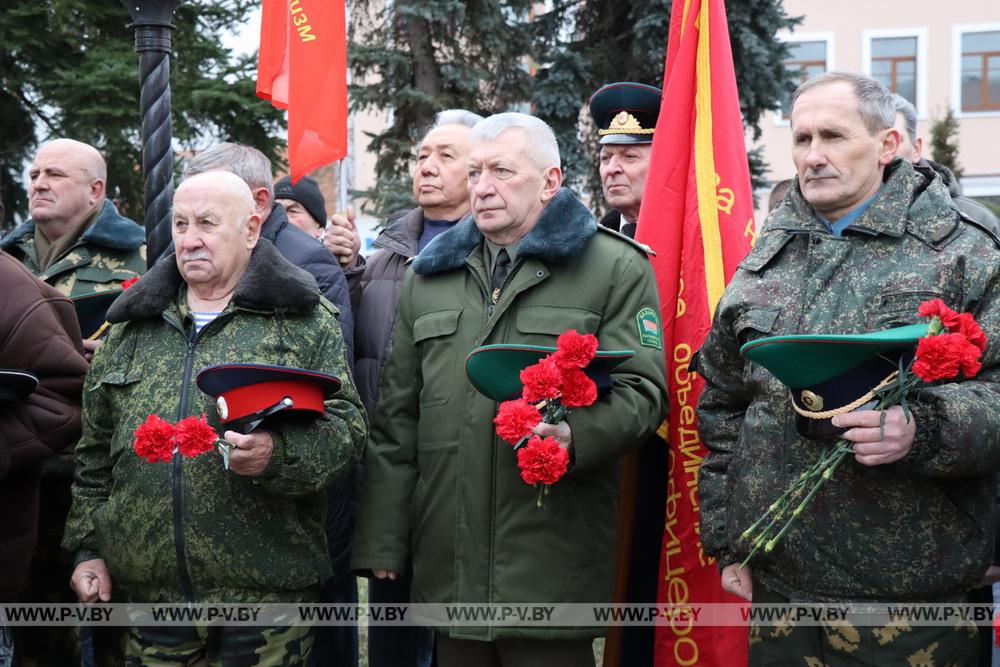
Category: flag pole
[152,21]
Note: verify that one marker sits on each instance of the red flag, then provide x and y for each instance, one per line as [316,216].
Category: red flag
[302,67]
[697,214]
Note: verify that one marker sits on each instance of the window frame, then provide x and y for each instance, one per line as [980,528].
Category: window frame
[831,63]
[957,32]
[867,36]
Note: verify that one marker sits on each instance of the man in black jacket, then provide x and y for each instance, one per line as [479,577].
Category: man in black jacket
[294,245]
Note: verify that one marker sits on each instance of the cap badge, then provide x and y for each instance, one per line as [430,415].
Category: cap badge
[812,401]
[624,123]
[222,407]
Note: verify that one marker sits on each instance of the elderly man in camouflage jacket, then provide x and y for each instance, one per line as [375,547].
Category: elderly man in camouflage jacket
[860,241]
[190,530]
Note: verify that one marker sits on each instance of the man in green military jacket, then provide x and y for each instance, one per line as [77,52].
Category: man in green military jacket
[189,530]
[859,242]
[440,486]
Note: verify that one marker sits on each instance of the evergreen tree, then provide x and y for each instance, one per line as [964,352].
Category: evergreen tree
[497,56]
[68,68]
[944,143]
[417,57]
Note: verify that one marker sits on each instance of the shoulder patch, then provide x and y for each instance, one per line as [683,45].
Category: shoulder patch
[648,322]
[635,244]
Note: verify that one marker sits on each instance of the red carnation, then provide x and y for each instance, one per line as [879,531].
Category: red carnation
[968,327]
[195,436]
[575,350]
[154,439]
[932,307]
[541,381]
[578,390]
[515,419]
[938,357]
[969,361]
[131,281]
[542,460]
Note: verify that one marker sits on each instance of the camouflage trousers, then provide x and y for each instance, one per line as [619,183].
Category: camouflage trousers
[841,644]
[218,646]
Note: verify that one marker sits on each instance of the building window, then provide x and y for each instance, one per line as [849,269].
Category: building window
[981,71]
[805,60]
[894,63]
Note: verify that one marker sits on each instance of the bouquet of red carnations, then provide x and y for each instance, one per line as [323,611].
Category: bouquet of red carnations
[953,345]
[156,439]
[552,387]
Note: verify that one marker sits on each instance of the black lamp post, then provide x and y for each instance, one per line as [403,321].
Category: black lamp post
[153,23]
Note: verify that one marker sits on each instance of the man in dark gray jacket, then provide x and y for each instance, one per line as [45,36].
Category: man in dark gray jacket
[911,149]
[441,188]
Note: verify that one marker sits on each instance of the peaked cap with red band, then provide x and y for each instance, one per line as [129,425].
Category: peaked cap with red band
[246,394]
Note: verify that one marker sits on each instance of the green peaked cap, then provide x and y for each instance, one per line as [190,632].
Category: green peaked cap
[495,370]
[810,359]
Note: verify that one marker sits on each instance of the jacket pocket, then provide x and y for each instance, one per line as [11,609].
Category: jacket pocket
[103,274]
[431,335]
[554,320]
[753,324]
[899,307]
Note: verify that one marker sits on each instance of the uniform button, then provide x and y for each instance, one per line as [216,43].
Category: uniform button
[816,240]
[540,274]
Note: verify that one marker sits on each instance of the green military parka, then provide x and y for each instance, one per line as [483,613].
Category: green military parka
[189,530]
[441,488]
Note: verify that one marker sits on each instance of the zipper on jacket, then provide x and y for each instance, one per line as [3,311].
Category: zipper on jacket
[178,492]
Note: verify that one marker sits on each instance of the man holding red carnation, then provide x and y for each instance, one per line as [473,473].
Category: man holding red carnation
[441,487]
[152,523]
[858,244]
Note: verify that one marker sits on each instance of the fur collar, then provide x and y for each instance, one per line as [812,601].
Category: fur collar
[110,230]
[271,283]
[562,232]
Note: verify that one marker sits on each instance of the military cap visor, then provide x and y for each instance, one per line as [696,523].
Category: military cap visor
[834,374]
[626,112]
[809,359]
[16,385]
[246,394]
[92,309]
[495,370]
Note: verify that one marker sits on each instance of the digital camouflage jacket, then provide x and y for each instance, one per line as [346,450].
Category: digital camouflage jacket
[188,529]
[916,529]
[111,251]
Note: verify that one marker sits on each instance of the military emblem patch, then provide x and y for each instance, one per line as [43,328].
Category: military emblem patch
[649,328]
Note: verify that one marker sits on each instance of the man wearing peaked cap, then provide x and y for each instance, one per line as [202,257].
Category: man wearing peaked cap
[625,114]
[857,244]
[188,529]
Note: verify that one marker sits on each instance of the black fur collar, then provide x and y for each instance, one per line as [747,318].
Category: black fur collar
[271,283]
[562,232]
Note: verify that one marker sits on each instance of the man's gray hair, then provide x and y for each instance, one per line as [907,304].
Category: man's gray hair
[904,107]
[245,161]
[875,104]
[456,117]
[541,145]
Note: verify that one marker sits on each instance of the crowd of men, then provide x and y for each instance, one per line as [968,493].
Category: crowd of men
[395,472]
